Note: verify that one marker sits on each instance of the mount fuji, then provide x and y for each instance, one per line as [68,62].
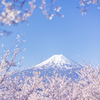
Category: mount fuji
[57,63]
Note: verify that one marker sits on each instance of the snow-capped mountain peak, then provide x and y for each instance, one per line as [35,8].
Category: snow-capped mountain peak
[57,61]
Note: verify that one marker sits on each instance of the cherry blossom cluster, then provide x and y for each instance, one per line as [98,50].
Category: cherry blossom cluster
[50,9]
[86,3]
[8,58]
[56,87]
[13,11]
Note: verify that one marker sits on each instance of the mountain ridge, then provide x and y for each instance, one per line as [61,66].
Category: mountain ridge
[58,64]
[57,61]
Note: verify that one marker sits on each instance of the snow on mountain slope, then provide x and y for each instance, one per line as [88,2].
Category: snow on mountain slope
[58,61]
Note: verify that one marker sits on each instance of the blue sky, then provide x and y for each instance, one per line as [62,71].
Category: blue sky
[71,36]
